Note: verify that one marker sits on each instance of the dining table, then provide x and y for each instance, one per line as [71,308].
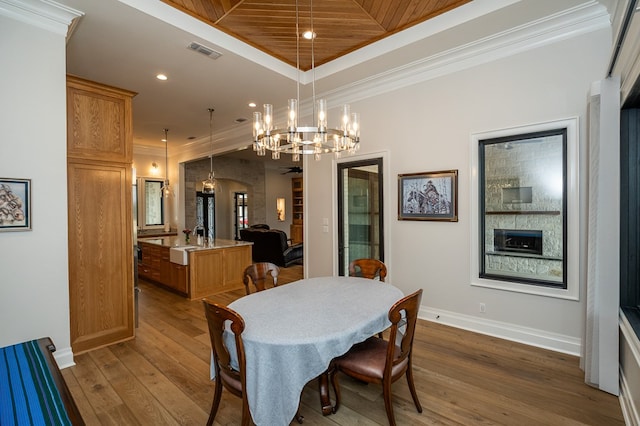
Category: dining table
[293,331]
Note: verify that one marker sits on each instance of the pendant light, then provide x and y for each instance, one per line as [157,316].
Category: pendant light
[209,184]
[295,139]
[166,189]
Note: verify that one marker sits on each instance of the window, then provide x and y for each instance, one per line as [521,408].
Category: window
[629,218]
[151,214]
[525,202]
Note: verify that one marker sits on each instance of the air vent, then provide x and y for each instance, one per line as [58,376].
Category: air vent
[204,50]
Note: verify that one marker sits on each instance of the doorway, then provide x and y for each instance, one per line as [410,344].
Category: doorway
[360,212]
[206,214]
[240,213]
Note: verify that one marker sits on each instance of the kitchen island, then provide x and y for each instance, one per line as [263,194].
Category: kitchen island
[192,270]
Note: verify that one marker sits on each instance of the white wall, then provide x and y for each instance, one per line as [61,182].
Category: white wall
[225,207]
[427,127]
[278,185]
[143,165]
[34,284]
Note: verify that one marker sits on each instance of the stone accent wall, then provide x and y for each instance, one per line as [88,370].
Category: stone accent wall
[525,164]
[247,172]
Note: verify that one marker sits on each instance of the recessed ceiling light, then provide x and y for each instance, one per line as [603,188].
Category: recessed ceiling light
[252,104]
[240,120]
[161,77]
[309,35]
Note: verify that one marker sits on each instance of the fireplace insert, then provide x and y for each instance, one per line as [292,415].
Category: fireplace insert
[517,241]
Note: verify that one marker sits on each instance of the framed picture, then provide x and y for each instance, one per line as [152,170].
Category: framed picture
[428,196]
[15,204]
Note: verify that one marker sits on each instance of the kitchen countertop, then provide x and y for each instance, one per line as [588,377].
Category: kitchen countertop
[178,241]
[155,233]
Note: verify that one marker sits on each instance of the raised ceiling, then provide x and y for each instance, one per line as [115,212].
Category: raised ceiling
[341,26]
[126,43]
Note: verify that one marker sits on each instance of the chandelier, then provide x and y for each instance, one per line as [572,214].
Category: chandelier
[166,189]
[296,139]
[209,184]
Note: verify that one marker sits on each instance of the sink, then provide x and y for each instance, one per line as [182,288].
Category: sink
[180,255]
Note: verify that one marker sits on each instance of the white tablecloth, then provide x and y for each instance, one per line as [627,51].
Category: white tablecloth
[292,332]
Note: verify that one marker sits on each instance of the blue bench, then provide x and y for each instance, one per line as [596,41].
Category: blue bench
[32,389]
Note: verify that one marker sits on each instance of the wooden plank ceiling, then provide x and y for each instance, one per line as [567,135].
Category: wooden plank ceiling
[342,26]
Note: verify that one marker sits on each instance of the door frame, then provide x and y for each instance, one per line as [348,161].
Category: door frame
[387,204]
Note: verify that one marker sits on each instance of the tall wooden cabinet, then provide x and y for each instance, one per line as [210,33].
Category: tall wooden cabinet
[100,218]
[297,199]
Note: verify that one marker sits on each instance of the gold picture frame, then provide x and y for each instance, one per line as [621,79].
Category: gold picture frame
[428,196]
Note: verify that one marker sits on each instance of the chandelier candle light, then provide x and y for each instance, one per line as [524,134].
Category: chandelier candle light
[295,139]
[209,184]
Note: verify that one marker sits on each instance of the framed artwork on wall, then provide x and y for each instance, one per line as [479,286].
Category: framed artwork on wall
[428,196]
[15,204]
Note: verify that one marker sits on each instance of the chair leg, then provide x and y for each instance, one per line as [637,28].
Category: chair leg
[216,401]
[333,375]
[386,390]
[412,388]
[246,414]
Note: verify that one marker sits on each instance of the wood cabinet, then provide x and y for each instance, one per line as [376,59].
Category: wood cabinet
[149,262]
[180,278]
[216,271]
[100,220]
[297,199]
[155,265]
[209,270]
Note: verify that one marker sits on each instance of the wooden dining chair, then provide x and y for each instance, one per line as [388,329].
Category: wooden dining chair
[232,380]
[379,361]
[227,377]
[368,268]
[258,272]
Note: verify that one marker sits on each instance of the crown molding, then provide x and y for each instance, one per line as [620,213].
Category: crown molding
[582,19]
[458,16]
[585,18]
[45,14]
[151,151]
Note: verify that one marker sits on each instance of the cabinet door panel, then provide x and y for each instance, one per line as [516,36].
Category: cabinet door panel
[205,269]
[100,254]
[179,277]
[235,261]
[98,122]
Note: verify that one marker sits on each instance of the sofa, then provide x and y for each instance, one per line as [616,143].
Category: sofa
[271,245]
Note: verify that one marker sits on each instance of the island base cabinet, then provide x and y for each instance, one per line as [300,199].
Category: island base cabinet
[216,271]
[155,266]
[236,260]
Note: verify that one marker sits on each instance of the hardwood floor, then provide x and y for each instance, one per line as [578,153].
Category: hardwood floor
[462,378]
